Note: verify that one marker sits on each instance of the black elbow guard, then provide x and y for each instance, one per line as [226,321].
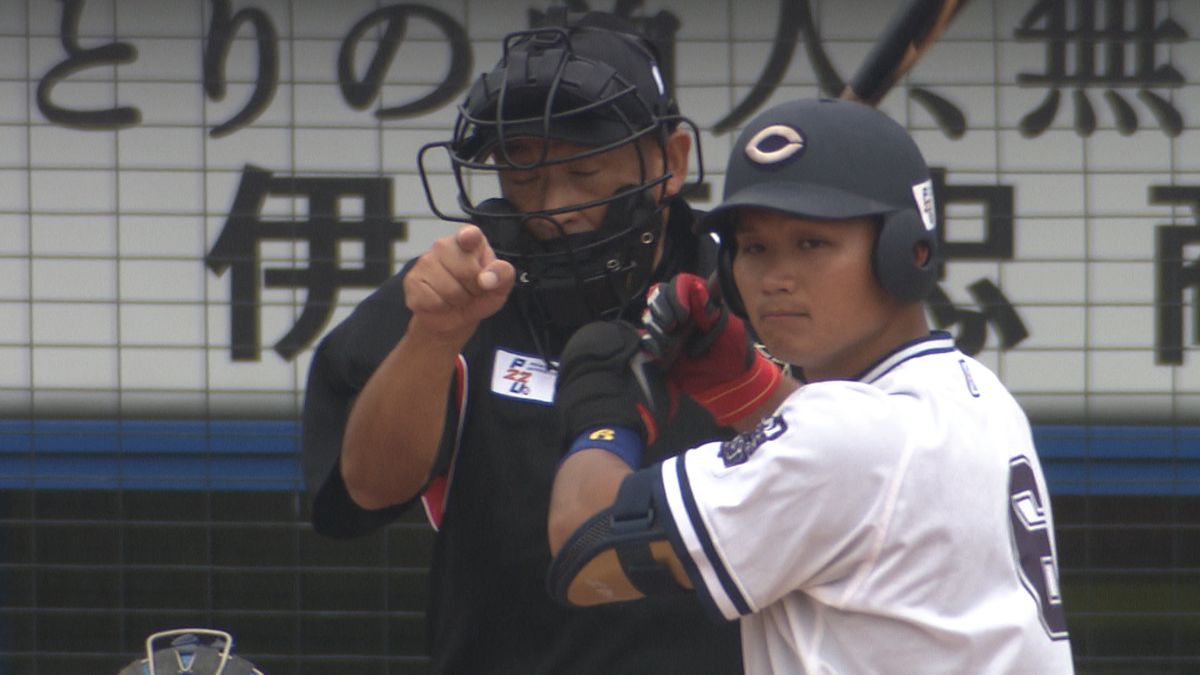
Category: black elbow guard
[609,558]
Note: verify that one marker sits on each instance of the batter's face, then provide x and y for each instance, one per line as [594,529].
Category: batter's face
[810,293]
[587,179]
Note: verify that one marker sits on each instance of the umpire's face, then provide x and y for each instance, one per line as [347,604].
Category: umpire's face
[560,182]
[810,293]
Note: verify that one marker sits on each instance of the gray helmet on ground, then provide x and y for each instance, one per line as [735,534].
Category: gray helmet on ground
[829,159]
[188,653]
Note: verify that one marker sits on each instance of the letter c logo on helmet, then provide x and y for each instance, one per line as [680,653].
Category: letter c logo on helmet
[774,144]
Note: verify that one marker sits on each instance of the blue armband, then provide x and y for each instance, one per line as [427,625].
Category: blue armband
[620,441]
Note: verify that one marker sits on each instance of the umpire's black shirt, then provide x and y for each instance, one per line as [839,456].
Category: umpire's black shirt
[488,610]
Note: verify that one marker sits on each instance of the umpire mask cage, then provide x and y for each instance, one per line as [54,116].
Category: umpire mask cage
[596,85]
[830,159]
[187,653]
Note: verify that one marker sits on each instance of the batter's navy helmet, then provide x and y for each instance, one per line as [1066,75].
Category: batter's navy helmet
[833,159]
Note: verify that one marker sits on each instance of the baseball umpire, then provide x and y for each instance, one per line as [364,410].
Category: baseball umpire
[888,513]
[569,157]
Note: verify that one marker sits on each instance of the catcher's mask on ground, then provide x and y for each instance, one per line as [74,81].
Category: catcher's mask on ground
[595,87]
[183,651]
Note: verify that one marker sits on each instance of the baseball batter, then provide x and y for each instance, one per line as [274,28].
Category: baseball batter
[884,512]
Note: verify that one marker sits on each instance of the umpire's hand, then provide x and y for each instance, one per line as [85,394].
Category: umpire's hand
[456,284]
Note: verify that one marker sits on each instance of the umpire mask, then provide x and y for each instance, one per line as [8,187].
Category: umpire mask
[591,83]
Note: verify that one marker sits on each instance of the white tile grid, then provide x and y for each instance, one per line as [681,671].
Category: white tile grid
[974,151]
[1059,283]
[315,59]
[161,148]
[73,280]
[1186,147]
[57,148]
[147,18]
[73,237]
[14,286]
[161,60]
[166,104]
[174,193]
[14,207]
[320,105]
[1062,263]
[74,324]
[1051,408]
[15,317]
[176,325]
[85,369]
[1126,283]
[399,147]
[14,105]
[1121,327]
[1187,384]
[78,191]
[12,19]
[1126,371]
[1044,371]
[1130,407]
[408,195]
[1053,151]
[79,401]
[97,20]
[1127,194]
[348,150]
[702,63]
[1051,238]
[1053,326]
[278,113]
[161,281]
[267,148]
[1116,239]
[14,367]
[438,122]
[323,20]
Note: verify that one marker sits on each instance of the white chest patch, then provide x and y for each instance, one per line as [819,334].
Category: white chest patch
[523,376]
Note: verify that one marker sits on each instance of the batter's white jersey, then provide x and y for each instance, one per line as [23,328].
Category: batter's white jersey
[898,523]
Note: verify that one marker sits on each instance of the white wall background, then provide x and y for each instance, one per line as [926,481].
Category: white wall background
[107,308]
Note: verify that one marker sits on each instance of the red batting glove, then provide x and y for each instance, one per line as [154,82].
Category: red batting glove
[706,350]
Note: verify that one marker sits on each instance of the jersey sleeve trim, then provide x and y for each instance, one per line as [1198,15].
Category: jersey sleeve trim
[937,342]
[437,492]
[695,547]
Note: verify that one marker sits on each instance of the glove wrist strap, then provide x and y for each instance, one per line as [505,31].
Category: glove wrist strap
[734,399]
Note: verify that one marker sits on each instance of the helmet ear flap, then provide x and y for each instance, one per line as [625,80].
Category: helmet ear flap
[729,291]
[895,266]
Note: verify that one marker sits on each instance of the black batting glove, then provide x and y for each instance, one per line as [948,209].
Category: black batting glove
[606,380]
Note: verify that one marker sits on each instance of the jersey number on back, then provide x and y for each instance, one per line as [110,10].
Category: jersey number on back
[1035,551]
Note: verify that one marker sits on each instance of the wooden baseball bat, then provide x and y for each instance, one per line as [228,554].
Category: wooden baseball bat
[909,34]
